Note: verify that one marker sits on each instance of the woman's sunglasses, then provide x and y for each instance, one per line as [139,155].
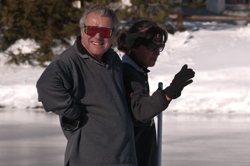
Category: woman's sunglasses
[93,30]
[153,46]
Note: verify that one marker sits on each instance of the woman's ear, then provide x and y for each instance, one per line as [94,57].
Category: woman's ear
[133,51]
[129,52]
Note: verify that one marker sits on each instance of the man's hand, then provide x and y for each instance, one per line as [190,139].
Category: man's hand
[72,124]
[181,79]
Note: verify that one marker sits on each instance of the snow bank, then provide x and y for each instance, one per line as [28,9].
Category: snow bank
[218,53]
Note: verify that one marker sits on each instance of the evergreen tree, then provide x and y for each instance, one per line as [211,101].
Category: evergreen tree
[156,10]
[51,21]
[44,21]
[1,27]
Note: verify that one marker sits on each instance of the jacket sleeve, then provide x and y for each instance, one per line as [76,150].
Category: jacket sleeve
[143,106]
[53,89]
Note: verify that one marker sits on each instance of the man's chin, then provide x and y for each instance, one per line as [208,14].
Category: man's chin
[98,52]
[97,55]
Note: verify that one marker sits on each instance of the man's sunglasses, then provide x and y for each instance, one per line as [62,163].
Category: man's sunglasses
[93,30]
[153,46]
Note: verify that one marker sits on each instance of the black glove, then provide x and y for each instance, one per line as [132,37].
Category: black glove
[71,124]
[181,79]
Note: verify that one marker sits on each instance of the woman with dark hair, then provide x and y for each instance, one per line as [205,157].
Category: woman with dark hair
[142,45]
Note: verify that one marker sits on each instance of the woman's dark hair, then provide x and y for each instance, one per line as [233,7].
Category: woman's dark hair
[121,41]
[140,32]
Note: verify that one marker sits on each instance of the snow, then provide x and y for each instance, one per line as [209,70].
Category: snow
[217,52]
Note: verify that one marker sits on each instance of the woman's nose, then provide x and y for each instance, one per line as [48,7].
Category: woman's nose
[157,51]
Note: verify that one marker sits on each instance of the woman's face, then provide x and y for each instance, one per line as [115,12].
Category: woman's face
[145,57]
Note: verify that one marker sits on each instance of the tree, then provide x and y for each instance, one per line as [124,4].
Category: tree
[44,21]
[156,10]
[50,22]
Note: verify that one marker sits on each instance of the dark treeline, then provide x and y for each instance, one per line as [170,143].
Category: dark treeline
[54,21]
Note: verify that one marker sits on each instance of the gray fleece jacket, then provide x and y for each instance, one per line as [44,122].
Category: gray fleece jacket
[90,99]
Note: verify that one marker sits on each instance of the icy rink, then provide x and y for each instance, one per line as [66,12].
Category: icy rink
[34,138]
[206,140]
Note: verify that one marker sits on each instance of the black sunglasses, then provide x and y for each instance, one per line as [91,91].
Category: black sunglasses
[153,46]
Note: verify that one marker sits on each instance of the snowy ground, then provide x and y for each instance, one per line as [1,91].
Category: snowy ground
[217,52]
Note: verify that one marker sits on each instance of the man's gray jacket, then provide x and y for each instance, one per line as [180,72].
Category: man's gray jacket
[74,85]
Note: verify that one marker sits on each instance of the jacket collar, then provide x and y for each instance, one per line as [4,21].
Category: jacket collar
[128,60]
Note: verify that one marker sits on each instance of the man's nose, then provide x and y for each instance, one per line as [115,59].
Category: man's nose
[98,35]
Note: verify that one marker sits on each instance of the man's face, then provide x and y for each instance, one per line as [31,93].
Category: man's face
[97,45]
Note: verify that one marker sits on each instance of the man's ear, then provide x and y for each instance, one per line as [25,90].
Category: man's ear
[82,32]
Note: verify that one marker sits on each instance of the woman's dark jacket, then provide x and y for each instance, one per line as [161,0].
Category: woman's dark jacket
[143,108]
[75,84]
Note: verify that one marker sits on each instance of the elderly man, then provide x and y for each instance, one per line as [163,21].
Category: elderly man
[84,86]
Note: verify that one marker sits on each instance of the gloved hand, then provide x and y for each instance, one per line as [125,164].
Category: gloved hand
[72,124]
[181,79]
